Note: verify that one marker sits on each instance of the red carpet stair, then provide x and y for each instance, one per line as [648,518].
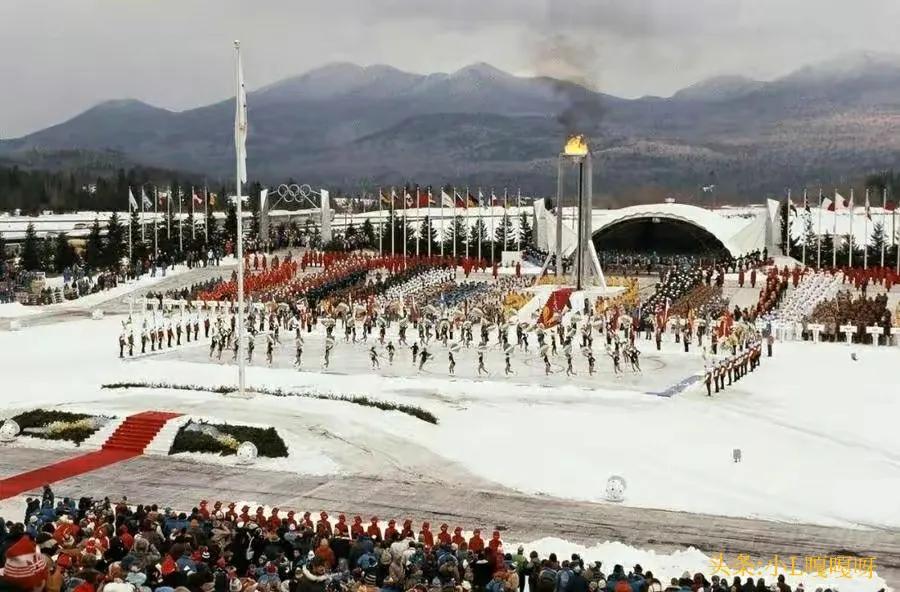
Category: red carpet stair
[128,441]
[136,432]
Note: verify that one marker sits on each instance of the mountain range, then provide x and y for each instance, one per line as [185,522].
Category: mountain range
[343,126]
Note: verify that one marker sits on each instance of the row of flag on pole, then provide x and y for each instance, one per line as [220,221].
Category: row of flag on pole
[424,197]
[164,198]
[840,204]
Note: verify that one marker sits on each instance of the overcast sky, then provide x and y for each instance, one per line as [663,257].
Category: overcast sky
[63,56]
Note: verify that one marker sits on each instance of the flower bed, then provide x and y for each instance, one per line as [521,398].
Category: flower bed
[224,439]
[58,425]
[361,400]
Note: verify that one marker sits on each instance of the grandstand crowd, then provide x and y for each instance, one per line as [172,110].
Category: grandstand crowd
[64,545]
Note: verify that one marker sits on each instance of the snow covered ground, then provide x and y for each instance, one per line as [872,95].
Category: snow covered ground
[817,430]
[16,310]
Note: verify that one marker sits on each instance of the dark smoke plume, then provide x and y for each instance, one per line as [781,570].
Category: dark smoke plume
[573,67]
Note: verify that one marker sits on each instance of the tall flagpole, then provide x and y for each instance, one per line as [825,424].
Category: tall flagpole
[806,212]
[130,250]
[240,139]
[866,233]
[417,232]
[428,217]
[834,243]
[206,215]
[466,216]
[391,215]
[519,216]
[492,236]
[180,225]
[193,217]
[406,223]
[381,225]
[787,226]
[453,226]
[883,226]
[850,233]
[156,222]
[480,223]
[442,233]
[505,220]
[169,217]
[143,199]
[819,234]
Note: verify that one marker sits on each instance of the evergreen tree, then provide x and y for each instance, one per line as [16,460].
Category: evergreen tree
[2,251]
[190,231]
[504,234]
[64,253]
[351,236]
[138,248]
[809,239]
[460,235]
[427,233]
[93,250]
[849,252]
[478,234]
[369,239]
[827,249]
[213,234]
[526,235]
[168,233]
[230,229]
[115,246]
[48,248]
[878,239]
[31,254]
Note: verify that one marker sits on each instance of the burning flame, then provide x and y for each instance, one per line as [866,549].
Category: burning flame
[576,146]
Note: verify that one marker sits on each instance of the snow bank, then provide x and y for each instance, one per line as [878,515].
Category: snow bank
[666,566]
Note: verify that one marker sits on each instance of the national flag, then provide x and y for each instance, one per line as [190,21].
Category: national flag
[145,200]
[196,198]
[868,207]
[558,301]
[495,201]
[459,200]
[791,205]
[408,199]
[890,206]
[162,196]
[424,200]
[212,199]
[806,202]
[827,205]
[393,198]
[446,200]
[240,123]
[839,205]
[132,203]
[480,198]
[385,200]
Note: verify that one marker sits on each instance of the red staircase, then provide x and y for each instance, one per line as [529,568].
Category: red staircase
[128,441]
[137,431]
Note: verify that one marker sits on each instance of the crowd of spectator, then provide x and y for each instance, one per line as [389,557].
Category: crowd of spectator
[106,546]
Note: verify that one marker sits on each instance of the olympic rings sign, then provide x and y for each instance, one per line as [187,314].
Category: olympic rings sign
[294,192]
